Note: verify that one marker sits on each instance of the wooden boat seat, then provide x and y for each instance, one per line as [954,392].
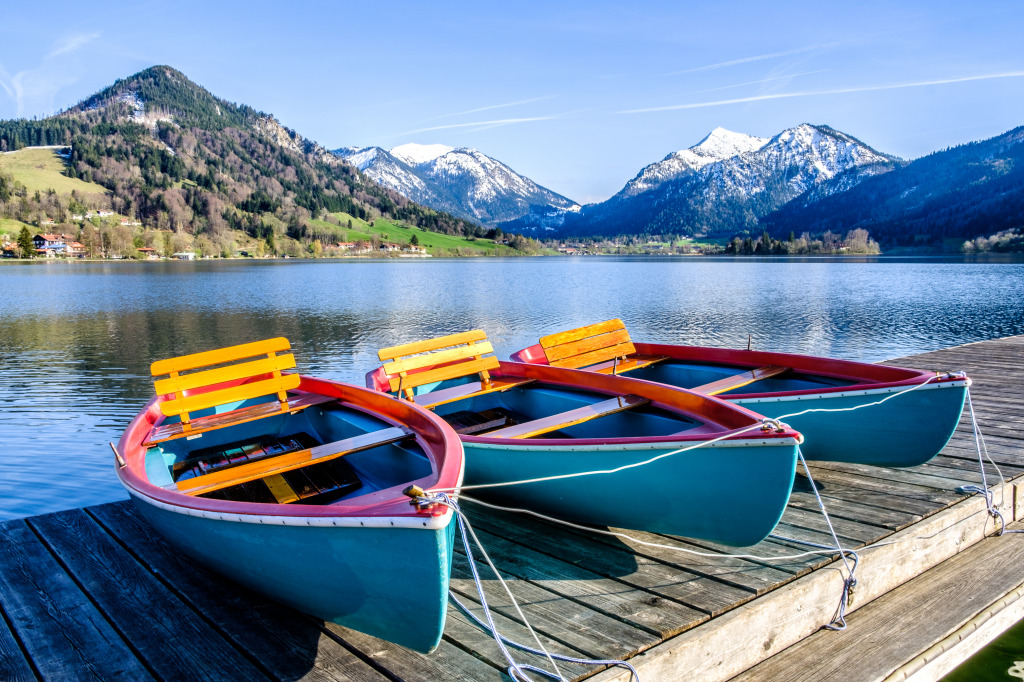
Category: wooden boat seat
[563,420]
[202,390]
[270,468]
[446,357]
[603,347]
[740,380]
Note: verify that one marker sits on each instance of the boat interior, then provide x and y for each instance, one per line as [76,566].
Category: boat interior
[606,347]
[451,375]
[210,445]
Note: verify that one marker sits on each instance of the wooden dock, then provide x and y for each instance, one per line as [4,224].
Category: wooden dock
[94,594]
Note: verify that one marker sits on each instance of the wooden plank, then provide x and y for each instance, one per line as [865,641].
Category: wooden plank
[254,389]
[223,478]
[456,371]
[14,667]
[162,432]
[878,639]
[668,581]
[740,380]
[564,420]
[187,382]
[578,333]
[594,357]
[440,357]
[448,662]
[744,637]
[659,617]
[279,488]
[618,337]
[66,637]
[164,632]
[470,390]
[288,645]
[184,363]
[433,344]
[592,633]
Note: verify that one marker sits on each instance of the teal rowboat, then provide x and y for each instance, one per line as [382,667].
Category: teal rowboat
[847,411]
[728,480]
[297,494]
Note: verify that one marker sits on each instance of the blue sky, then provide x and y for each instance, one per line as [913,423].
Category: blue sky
[576,95]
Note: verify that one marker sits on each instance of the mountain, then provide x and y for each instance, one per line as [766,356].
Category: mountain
[967,191]
[179,159]
[463,182]
[724,184]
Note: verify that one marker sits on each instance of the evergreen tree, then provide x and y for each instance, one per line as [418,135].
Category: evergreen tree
[414,240]
[25,244]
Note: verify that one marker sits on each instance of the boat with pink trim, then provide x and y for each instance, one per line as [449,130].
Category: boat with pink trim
[666,460]
[293,486]
[847,411]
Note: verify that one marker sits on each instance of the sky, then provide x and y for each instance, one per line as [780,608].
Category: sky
[578,96]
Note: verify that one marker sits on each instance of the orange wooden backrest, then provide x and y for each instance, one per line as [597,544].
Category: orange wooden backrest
[588,345]
[445,357]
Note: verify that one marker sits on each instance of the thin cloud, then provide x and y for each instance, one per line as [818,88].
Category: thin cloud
[503,121]
[756,58]
[72,43]
[813,93]
[495,106]
[758,82]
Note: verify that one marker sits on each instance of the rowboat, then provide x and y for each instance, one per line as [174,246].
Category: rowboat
[847,411]
[292,486]
[728,481]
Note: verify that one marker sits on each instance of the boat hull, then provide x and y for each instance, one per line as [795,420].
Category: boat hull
[732,494]
[908,430]
[389,582]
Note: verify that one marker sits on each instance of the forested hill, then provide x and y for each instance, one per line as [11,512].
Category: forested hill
[955,194]
[178,158]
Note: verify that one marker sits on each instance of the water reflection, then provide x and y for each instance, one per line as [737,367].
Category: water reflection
[76,339]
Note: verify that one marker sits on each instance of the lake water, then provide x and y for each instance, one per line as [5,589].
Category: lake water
[77,339]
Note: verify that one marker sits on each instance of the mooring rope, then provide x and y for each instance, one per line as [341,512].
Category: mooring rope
[516,670]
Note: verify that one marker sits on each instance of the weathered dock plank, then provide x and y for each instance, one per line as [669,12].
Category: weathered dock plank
[165,634]
[888,632]
[63,633]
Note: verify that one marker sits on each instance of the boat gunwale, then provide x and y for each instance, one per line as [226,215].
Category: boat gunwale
[805,364]
[722,420]
[437,439]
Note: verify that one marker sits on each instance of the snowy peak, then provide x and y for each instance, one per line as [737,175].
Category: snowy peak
[720,144]
[416,154]
[463,182]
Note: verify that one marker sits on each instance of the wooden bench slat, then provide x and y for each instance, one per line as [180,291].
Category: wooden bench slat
[596,356]
[591,343]
[566,419]
[424,346]
[187,382]
[740,380]
[263,468]
[165,432]
[254,389]
[440,357]
[455,371]
[580,333]
[470,390]
[219,356]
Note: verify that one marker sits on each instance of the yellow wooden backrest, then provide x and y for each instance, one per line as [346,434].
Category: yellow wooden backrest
[448,357]
[177,383]
[588,345]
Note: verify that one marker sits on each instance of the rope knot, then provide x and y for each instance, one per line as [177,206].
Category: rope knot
[769,424]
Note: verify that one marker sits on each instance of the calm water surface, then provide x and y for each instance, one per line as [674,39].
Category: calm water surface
[76,339]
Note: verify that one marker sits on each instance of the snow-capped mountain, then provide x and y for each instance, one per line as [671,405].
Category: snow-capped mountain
[728,181]
[720,144]
[463,182]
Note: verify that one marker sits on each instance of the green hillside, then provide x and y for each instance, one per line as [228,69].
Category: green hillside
[43,169]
